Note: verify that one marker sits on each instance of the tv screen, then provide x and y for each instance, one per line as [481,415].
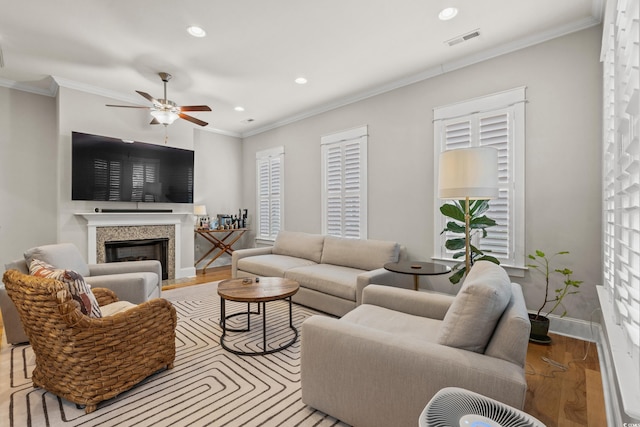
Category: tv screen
[109,169]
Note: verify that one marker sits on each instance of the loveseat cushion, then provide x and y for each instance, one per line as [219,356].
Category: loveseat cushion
[299,245]
[61,255]
[329,279]
[80,291]
[271,265]
[475,311]
[359,253]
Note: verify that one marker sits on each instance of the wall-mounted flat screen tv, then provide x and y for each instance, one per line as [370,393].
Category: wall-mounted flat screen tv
[109,169]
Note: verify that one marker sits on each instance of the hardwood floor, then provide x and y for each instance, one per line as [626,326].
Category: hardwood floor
[564,379]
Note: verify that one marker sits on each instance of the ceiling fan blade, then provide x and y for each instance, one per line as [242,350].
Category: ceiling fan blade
[192,119]
[195,108]
[149,98]
[126,106]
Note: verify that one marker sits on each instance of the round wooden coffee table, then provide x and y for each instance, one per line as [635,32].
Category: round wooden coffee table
[255,290]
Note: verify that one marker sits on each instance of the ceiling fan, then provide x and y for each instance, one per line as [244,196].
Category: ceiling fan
[165,111]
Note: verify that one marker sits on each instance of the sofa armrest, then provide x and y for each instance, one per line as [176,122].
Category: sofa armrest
[346,366]
[149,266]
[242,253]
[425,304]
[380,276]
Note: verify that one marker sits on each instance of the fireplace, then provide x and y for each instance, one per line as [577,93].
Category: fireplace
[139,250]
[120,226]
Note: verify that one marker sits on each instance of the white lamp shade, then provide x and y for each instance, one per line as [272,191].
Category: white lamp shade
[200,210]
[468,172]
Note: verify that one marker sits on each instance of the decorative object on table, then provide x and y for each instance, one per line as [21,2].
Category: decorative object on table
[469,176]
[540,322]
[454,406]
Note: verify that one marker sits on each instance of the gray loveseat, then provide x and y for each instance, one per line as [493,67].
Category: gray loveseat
[331,271]
[133,281]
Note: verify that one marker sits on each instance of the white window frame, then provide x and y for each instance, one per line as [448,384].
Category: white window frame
[272,196]
[344,184]
[512,104]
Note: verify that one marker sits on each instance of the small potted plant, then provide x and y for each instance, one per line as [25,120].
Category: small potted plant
[540,322]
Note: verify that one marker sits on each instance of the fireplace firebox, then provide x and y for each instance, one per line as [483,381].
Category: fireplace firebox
[139,250]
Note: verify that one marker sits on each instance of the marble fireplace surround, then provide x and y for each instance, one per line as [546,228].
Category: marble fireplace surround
[102,227]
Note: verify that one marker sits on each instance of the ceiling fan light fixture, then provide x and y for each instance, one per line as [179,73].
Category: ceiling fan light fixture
[196,31]
[165,117]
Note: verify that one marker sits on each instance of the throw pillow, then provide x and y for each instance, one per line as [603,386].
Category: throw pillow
[476,310]
[79,289]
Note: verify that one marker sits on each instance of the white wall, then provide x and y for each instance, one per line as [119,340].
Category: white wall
[563,78]
[28,190]
[218,165]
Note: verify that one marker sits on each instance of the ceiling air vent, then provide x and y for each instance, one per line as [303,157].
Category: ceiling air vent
[463,38]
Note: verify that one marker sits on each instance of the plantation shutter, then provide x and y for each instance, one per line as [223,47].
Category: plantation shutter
[621,171]
[494,132]
[344,184]
[489,122]
[269,172]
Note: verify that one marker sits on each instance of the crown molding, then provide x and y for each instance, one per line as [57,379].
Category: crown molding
[442,69]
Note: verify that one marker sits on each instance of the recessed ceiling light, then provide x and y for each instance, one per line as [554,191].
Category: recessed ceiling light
[239,108]
[448,13]
[196,31]
[301,80]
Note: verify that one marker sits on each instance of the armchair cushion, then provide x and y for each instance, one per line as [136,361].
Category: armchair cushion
[60,254]
[475,311]
[78,288]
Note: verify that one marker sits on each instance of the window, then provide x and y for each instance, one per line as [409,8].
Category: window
[270,203]
[344,183]
[492,121]
[621,195]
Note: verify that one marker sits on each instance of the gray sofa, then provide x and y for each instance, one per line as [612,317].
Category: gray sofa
[133,281]
[331,271]
[381,363]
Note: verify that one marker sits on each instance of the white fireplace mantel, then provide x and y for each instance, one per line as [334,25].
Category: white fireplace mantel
[121,219]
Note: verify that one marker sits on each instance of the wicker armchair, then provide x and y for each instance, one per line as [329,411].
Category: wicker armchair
[88,360]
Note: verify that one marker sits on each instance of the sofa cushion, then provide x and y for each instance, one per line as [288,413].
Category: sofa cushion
[271,265]
[357,253]
[329,279]
[60,255]
[299,245]
[80,291]
[475,311]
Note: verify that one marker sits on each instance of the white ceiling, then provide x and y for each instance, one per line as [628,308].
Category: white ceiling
[254,49]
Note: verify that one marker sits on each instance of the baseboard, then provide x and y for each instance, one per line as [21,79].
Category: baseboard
[186,272]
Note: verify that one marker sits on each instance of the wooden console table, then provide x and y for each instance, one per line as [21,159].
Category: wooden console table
[219,244]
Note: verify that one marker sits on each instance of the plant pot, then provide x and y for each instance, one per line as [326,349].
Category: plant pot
[539,329]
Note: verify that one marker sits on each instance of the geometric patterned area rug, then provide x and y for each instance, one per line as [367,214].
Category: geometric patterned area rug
[208,386]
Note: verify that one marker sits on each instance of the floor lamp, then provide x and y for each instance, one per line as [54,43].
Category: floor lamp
[469,174]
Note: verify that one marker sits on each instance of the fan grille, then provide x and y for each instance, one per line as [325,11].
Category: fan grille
[450,404]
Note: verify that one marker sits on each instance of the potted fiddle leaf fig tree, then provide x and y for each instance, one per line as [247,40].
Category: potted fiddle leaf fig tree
[478,223]
[540,321]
